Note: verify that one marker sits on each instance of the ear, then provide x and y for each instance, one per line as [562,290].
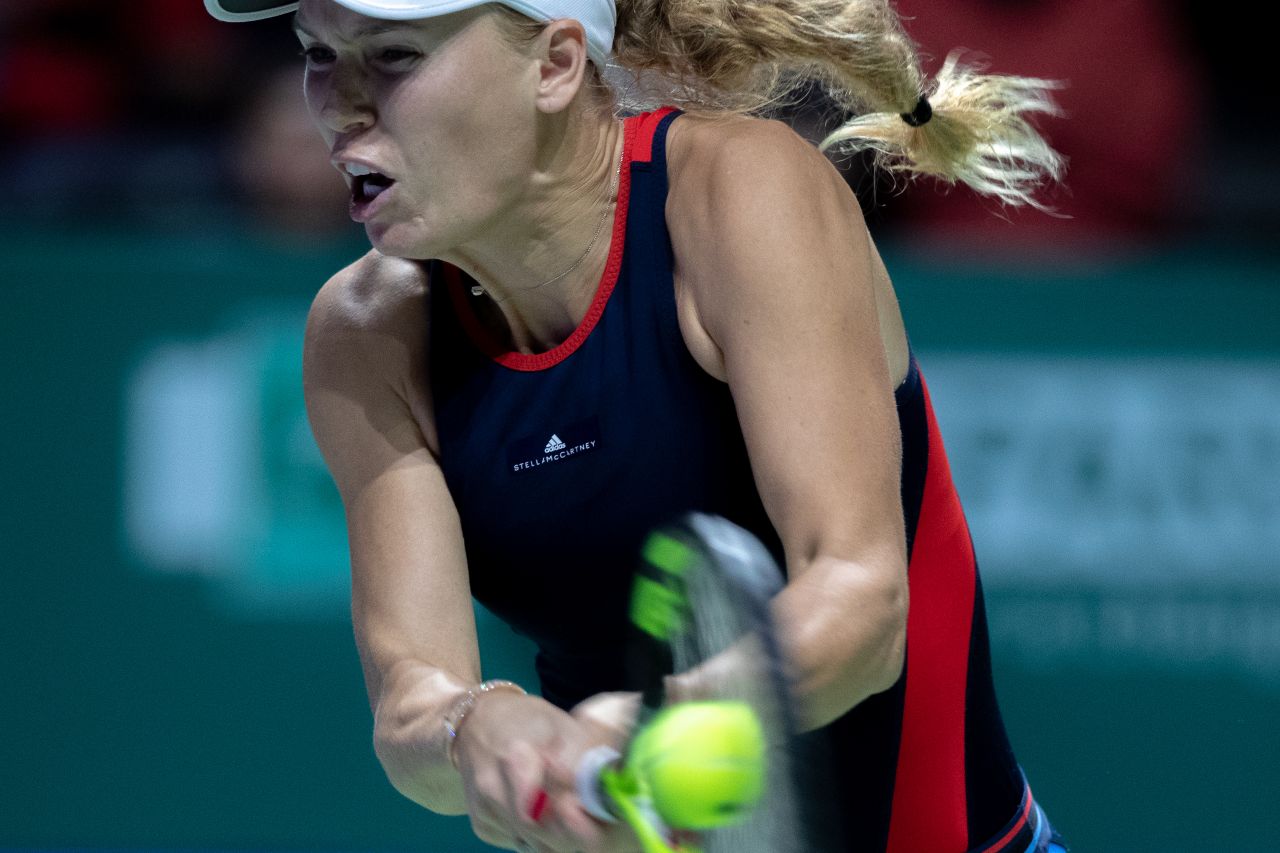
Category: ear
[562,65]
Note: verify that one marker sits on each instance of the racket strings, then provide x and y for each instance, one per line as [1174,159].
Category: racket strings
[720,621]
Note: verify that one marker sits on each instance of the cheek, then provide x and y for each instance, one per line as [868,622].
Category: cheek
[315,91]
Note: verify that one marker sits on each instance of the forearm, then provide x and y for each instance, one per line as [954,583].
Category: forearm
[410,737]
[842,629]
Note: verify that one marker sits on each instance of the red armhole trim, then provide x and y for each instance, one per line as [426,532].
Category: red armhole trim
[930,809]
[635,129]
[644,134]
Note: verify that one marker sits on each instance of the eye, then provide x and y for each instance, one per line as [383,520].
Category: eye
[396,55]
[317,55]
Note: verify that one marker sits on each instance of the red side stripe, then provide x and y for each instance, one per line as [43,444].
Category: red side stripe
[929,807]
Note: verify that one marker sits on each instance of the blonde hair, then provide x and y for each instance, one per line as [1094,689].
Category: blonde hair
[717,57]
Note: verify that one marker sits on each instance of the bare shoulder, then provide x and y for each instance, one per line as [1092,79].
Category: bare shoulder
[365,314]
[752,203]
[375,294]
[749,156]
[367,336]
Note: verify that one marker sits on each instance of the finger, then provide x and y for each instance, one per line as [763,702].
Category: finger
[497,835]
[562,828]
[487,808]
[491,832]
[537,805]
[531,813]
[574,821]
[561,769]
[582,830]
[522,845]
[524,773]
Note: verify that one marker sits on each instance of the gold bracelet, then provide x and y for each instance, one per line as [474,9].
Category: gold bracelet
[458,713]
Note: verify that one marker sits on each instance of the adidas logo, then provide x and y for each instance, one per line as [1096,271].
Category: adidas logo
[524,454]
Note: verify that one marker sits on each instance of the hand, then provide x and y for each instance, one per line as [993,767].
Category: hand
[611,716]
[517,755]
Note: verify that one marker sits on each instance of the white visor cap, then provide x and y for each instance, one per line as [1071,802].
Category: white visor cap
[598,17]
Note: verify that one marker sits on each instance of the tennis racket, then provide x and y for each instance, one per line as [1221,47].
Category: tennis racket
[715,771]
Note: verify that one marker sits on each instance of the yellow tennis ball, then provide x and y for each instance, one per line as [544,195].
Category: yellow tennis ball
[704,762]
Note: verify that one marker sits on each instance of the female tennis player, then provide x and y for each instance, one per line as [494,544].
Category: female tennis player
[574,327]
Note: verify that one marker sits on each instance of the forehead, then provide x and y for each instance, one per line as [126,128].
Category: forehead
[329,20]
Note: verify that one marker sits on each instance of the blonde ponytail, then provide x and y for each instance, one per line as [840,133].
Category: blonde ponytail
[749,56]
[978,135]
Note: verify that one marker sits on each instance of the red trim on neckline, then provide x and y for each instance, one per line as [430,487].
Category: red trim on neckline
[637,139]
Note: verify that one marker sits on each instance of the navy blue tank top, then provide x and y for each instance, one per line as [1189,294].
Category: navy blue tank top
[560,463]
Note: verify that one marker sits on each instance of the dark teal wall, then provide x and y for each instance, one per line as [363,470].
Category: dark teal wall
[139,710]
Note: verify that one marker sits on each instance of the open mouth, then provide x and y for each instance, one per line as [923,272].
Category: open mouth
[366,183]
[370,186]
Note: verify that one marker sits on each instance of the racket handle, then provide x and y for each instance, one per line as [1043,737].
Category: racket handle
[587,781]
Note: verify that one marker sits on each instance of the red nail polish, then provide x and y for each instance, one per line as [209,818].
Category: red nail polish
[538,805]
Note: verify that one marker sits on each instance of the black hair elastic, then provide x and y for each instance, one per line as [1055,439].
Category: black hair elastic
[921,114]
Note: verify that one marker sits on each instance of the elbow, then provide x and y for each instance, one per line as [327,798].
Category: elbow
[389,746]
[890,654]
[849,638]
[873,660]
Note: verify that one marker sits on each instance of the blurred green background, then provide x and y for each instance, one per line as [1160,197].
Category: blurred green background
[176,663]
[198,698]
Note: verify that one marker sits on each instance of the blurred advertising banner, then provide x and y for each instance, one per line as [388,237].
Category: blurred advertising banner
[1121,507]
[1116,471]
[222,476]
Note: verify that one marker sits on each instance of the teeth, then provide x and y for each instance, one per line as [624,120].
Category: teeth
[355,170]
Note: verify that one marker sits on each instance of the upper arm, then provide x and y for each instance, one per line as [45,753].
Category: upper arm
[780,268]
[365,370]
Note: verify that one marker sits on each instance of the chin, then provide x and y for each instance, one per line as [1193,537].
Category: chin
[394,241]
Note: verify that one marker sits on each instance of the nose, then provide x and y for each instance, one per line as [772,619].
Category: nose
[345,105]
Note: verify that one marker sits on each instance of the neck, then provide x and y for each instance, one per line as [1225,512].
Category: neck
[540,265]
